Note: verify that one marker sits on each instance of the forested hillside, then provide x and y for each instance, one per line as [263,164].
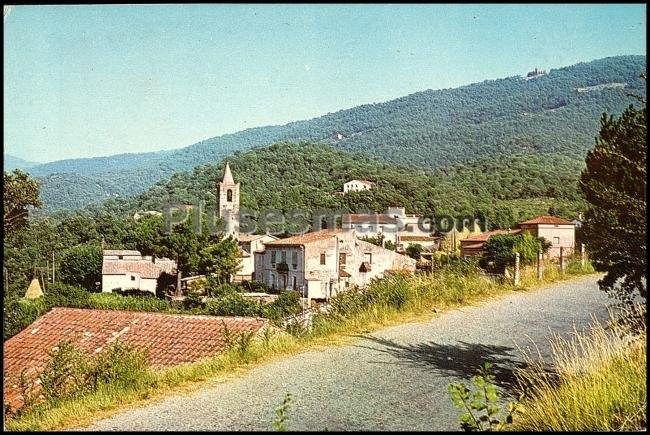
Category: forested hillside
[554,113]
[307,176]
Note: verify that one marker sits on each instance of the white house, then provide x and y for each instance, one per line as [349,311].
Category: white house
[321,263]
[249,244]
[122,270]
[372,225]
[356,186]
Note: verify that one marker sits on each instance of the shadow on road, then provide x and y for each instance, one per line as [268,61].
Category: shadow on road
[461,359]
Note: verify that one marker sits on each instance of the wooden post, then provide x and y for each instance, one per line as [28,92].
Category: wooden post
[540,267]
[562,259]
[583,255]
[178,283]
[53,267]
[516,278]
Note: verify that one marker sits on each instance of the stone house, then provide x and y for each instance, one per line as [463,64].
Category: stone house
[371,225]
[124,269]
[248,245]
[356,186]
[473,245]
[321,263]
[559,232]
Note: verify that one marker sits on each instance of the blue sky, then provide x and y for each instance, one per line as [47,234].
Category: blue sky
[84,81]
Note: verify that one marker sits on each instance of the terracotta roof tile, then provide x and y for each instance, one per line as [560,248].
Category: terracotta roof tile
[554,220]
[484,236]
[418,238]
[145,268]
[305,238]
[169,338]
[121,252]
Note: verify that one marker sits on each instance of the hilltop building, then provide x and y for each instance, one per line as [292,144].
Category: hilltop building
[356,186]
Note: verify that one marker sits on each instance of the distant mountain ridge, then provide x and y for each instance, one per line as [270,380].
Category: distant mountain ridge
[430,129]
[12,162]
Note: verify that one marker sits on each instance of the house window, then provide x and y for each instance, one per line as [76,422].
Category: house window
[322,258]
[294,282]
[229,195]
[284,257]
[294,259]
[273,258]
[119,257]
[342,259]
[368,257]
[556,240]
[132,278]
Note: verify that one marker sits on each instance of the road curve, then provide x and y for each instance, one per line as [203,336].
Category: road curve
[392,379]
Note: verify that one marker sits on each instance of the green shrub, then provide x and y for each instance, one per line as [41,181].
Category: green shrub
[480,406]
[256,286]
[216,290]
[112,301]
[65,295]
[287,303]
[68,372]
[120,364]
[233,304]
[18,313]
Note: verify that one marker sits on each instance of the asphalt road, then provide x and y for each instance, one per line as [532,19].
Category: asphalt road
[393,379]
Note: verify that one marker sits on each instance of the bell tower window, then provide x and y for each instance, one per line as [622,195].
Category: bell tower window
[229,195]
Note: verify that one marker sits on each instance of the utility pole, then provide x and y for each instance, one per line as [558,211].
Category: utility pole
[53,267]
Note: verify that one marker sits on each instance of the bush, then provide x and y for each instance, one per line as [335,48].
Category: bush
[414,251]
[216,290]
[256,286]
[233,304]
[70,371]
[120,364]
[65,295]
[18,313]
[112,301]
[286,304]
[67,373]
[499,251]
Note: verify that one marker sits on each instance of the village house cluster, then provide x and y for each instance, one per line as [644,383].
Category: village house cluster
[321,263]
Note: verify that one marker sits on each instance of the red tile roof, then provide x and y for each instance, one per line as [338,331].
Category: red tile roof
[145,268]
[169,338]
[484,236]
[121,252]
[554,220]
[368,219]
[301,239]
[418,238]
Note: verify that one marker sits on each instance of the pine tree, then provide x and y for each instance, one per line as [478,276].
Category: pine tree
[614,184]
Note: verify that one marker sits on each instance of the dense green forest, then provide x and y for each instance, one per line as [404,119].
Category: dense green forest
[288,176]
[431,129]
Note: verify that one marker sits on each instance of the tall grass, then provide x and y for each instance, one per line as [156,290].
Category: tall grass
[598,383]
[391,300]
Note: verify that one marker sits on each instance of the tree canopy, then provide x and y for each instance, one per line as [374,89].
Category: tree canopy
[614,184]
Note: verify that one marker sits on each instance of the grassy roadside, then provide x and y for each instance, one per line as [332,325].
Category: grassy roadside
[599,384]
[395,299]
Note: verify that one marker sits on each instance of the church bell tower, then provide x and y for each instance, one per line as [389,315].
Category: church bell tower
[229,203]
